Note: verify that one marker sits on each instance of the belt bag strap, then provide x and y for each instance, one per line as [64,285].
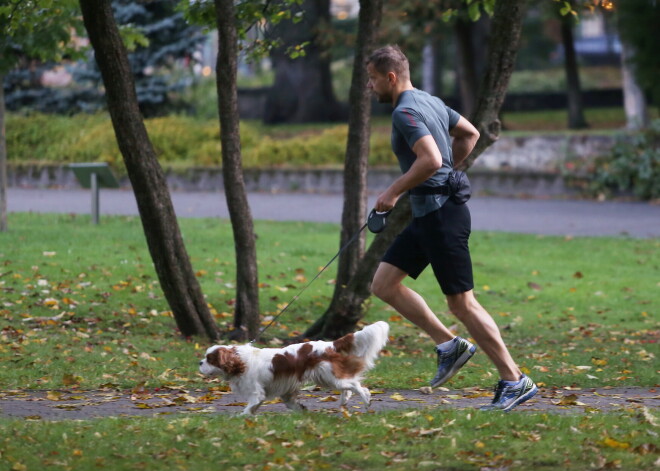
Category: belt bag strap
[430,190]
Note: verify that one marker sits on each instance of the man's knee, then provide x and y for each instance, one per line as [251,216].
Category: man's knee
[462,305]
[380,288]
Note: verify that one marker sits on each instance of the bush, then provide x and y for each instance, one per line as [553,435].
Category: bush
[633,165]
[180,141]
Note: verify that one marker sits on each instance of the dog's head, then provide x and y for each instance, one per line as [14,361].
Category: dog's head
[221,360]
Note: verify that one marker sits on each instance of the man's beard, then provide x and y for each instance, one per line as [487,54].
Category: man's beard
[384,98]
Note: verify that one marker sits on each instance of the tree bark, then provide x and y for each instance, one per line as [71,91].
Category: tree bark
[573,89]
[246,315]
[302,91]
[171,261]
[355,170]
[3,161]
[505,38]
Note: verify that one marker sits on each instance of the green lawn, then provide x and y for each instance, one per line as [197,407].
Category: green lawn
[82,309]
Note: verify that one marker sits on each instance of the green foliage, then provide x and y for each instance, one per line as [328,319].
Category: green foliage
[179,140]
[37,29]
[633,165]
[254,18]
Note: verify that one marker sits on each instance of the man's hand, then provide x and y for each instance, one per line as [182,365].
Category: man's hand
[386,201]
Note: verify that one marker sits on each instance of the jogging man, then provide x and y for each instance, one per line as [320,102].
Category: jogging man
[421,130]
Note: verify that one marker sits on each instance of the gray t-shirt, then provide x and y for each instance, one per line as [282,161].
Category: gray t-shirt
[418,114]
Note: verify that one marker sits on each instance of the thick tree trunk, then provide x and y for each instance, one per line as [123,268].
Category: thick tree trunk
[3,161]
[246,315]
[302,91]
[505,38]
[159,222]
[573,89]
[355,169]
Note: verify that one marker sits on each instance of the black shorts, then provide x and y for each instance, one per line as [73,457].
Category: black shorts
[441,239]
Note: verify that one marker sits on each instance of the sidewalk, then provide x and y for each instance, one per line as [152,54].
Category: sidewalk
[82,405]
[530,216]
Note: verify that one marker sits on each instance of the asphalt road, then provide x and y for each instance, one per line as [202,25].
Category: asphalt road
[530,216]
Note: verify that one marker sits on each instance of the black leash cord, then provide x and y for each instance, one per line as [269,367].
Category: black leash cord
[308,284]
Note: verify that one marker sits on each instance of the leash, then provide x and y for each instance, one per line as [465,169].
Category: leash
[308,284]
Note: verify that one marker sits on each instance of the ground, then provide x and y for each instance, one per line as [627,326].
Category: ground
[81,405]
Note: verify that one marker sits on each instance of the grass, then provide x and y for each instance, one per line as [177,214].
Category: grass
[426,440]
[82,309]
[82,305]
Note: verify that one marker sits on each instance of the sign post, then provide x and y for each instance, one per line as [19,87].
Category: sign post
[94,176]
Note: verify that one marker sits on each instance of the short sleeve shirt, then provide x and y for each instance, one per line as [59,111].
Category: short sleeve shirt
[418,114]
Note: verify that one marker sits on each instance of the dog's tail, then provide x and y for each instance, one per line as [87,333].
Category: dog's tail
[368,342]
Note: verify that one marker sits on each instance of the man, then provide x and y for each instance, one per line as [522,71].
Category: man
[421,130]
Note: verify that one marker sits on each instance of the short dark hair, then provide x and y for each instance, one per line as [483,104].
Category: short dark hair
[390,59]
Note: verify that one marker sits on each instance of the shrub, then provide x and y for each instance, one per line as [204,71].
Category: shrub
[181,141]
[633,165]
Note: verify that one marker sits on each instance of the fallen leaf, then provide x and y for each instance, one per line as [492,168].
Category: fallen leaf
[610,442]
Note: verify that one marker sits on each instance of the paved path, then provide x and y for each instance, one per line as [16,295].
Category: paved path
[532,216]
[80,405]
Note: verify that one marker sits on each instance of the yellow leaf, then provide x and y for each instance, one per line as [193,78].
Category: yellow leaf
[397,397]
[570,400]
[610,442]
[77,453]
[328,399]
[54,396]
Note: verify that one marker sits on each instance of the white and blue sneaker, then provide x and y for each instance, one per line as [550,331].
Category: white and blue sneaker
[508,394]
[449,362]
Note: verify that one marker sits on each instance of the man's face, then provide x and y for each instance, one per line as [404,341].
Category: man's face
[379,84]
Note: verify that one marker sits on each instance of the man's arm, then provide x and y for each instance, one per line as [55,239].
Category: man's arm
[465,138]
[428,161]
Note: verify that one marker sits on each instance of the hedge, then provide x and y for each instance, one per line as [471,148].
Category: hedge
[181,141]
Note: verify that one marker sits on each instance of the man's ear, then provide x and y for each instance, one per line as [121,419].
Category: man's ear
[391,77]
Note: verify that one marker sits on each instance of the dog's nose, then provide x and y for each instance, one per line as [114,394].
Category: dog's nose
[200,363]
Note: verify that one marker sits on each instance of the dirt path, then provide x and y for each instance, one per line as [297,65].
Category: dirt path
[82,405]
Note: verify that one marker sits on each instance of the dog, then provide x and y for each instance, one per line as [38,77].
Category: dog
[260,374]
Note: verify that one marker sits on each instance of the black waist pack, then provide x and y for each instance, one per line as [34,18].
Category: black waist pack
[459,187]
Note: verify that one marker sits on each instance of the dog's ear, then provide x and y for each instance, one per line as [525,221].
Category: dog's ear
[227,360]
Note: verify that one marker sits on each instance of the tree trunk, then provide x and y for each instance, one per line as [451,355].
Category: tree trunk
[634,102]
[159,222]
[573,89]
[3,160]
[466,74]
[505,38]
[246,315]
[506,28]
[355,169]
[351,303]
[302,91]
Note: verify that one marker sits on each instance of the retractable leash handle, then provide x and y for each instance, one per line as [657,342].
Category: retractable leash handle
[377,221]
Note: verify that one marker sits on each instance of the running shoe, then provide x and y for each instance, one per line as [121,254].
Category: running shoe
[452,361]
[508,396]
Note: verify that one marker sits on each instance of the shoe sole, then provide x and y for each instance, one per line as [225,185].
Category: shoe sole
[525,397]
[462,360]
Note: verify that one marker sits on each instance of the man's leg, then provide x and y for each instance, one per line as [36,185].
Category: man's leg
[387,286]
[485,332]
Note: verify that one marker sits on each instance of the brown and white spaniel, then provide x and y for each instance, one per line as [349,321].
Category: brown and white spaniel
[260,374]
